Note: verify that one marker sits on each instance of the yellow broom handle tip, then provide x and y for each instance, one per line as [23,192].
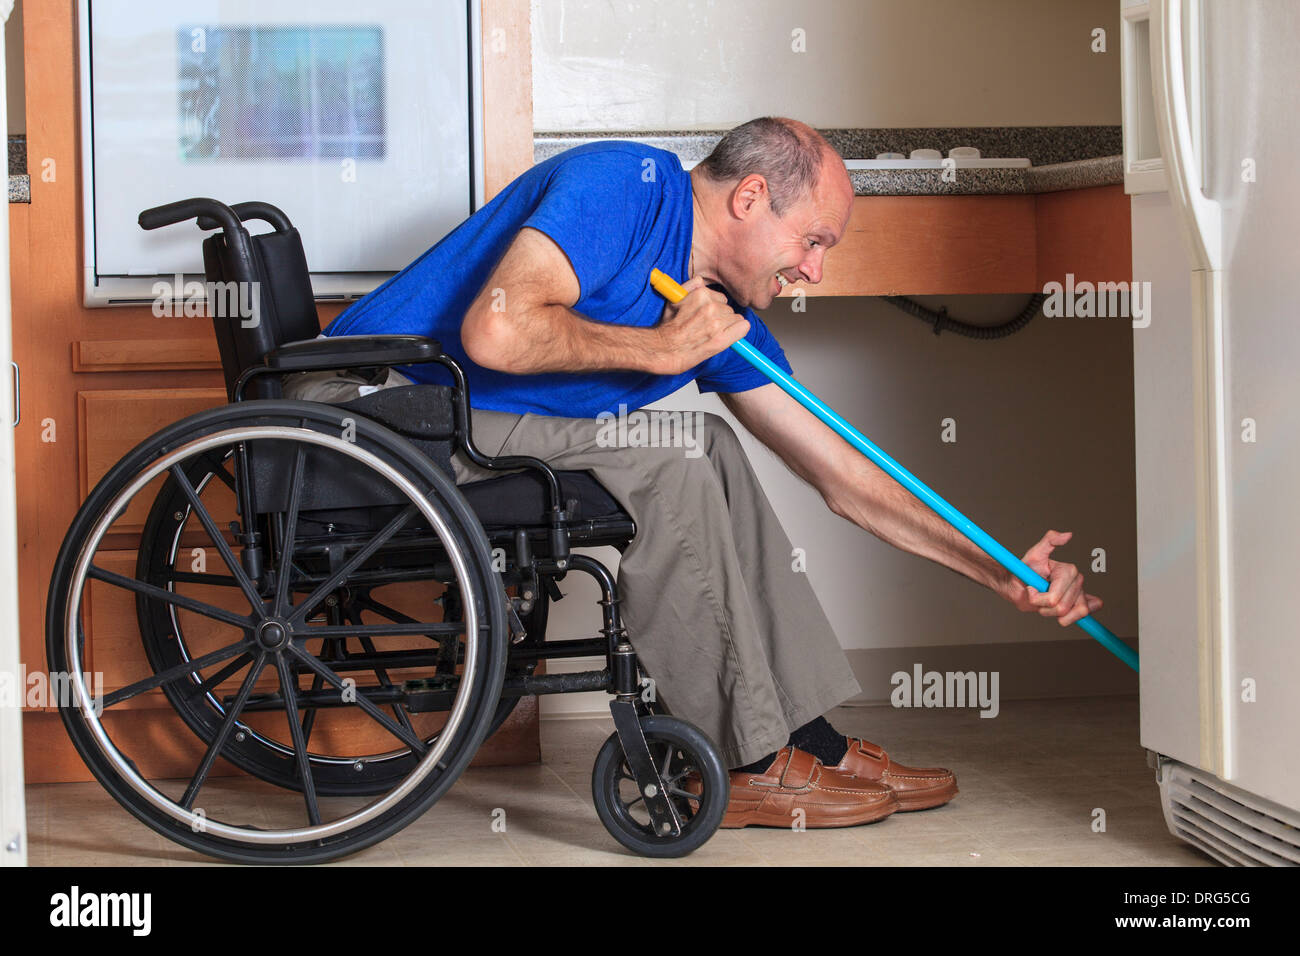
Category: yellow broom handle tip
[666,286]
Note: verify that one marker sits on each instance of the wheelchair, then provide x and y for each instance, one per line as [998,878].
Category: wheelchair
[333,626]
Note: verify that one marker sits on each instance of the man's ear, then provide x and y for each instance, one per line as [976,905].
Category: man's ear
[747,194]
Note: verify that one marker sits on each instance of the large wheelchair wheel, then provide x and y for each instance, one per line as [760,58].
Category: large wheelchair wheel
[271,663]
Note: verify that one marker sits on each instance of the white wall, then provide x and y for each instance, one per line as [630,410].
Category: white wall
[688,64]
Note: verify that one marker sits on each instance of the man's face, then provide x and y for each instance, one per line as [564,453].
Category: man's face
[792,246]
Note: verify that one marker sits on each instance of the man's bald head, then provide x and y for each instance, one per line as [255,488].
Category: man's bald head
[769,201]
[785,152]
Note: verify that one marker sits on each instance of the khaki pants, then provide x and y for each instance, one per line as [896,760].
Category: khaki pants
[734,638]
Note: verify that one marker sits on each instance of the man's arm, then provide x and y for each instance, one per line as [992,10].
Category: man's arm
[522,321]
[855,488]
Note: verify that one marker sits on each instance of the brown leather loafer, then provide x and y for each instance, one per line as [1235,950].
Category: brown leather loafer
[916,788]
[798,781]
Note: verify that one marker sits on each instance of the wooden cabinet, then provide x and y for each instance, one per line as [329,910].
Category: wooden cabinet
[96,382]
[968,245]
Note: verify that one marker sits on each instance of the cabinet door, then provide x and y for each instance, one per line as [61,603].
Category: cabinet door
[1164,437]
[112,422]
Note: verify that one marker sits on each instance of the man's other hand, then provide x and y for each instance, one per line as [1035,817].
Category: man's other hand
[1065,598]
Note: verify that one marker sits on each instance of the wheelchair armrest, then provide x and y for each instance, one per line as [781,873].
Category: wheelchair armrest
[353,351]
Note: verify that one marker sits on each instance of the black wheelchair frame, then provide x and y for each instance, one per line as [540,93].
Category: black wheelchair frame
[335,502]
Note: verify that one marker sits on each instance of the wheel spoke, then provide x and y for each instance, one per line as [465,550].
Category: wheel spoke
[381,673]
[291,529]
[218,539]
[668,757]
[367,645]
[288,691]
[190,577]
[384,610]
[453,627]
[339,576]
[686,772]
[171,673]
[401,733]
[625,773]
[309,717]
[218,468]
[208,684]
[222,734]
[170,597]
[380,630]
[332,650]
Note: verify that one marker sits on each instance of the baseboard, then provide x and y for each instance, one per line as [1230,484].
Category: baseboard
[596,710]
[1026,670]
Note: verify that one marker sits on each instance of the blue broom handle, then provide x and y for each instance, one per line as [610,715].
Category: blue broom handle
[1090,625]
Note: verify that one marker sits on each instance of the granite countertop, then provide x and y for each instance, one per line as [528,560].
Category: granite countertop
[1053,177]
[20,186]
[1061,157]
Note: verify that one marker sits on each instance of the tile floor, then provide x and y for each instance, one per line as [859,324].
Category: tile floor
[1030,780]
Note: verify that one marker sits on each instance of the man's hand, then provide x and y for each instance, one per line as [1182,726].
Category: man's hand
[695,329]
[1065,599]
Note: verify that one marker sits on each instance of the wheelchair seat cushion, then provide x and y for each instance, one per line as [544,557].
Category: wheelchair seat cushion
[422,414]
[521,498]
[413,411]
[514,500]
[425,414]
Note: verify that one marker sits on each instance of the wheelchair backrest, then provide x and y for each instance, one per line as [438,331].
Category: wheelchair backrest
[279,290]
[260,298]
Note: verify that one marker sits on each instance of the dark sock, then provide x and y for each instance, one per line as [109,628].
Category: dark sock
[820,739]
[758,766]
[816,737]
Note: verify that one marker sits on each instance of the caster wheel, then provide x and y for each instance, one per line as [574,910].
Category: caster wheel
[692,774]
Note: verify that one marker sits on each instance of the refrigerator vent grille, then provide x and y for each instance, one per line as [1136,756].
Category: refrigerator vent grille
[1234,827]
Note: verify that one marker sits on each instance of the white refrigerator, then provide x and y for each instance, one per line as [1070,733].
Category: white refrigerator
[1212,162]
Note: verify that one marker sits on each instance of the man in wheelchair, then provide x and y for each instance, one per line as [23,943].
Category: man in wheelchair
[543,298]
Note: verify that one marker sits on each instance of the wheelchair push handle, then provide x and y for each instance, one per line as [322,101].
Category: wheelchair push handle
[252,210]
[183,209]
[212,214]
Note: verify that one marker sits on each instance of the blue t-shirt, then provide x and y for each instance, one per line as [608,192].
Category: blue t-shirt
[618,209]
